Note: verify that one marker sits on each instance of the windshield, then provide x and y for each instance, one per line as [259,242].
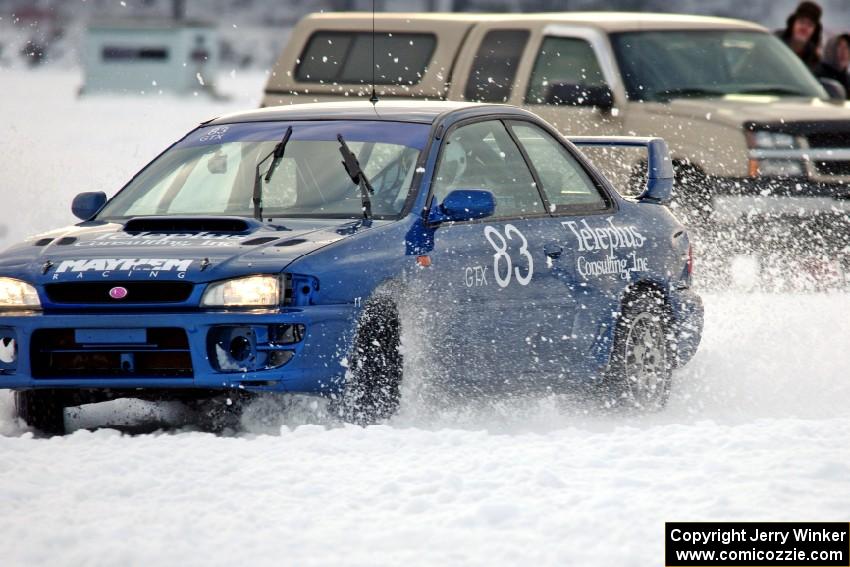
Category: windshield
[212,171]
[660,65]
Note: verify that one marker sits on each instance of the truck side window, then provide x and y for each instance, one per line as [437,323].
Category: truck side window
[566,61]
[495,65]
[346,57]
[565,182]
[483,156]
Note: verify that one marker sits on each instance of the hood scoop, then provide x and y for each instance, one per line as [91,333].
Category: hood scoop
[189,224]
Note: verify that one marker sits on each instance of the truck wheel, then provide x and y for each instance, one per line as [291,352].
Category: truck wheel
[43,410]
[641,369]
[372,387]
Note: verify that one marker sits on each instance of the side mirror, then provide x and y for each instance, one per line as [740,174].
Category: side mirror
[834,89]
[569,94]
[462,205]
[86,205]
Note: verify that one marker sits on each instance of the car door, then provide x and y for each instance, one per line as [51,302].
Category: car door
[590,253]
[487,272]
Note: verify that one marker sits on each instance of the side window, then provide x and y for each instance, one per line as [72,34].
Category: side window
[483,156]
[346,57]
[565,182]
[495,65]
[563,61]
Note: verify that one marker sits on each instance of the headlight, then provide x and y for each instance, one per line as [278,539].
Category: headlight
[774,154]
[780,168]
[15,294]
[251,291]
[765,140]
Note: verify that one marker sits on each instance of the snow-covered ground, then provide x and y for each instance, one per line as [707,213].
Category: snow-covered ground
[757,427]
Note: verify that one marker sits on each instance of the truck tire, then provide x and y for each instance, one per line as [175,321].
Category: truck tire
[43,410]
[641,369]
[373,382]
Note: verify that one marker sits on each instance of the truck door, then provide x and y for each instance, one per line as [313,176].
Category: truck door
[572,83]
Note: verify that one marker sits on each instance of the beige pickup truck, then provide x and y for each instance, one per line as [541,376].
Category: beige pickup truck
[752,132]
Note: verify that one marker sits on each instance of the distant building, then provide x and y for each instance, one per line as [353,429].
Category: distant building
[143,55]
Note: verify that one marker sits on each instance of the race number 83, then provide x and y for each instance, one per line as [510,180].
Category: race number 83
[503,268]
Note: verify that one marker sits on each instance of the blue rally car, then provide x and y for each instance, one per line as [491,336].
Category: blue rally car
[281,249]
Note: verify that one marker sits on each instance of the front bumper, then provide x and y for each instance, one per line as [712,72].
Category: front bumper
[314,367]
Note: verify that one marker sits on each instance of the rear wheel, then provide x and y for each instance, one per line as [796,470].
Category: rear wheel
[641,370]
[373,383]
[43,410]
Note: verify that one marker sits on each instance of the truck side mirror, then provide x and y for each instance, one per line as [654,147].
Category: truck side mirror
[834,89]
[569,94]
[86,205]
[463,205]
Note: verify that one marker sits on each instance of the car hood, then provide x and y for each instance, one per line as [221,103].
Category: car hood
[116,252]
[738,109]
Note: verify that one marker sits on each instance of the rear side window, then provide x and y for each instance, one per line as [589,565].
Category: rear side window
[563,60]
[565,182]
[346,57]
[494,68]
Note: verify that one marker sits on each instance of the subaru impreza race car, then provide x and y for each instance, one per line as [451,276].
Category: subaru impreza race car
[291,249]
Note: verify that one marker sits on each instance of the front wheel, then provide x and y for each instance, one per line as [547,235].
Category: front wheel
[640,371]
[43,410]
[373,382]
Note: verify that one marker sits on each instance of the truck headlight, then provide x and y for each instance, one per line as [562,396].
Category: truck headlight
[250,291]
[765,140]
[774,154]
[15,294]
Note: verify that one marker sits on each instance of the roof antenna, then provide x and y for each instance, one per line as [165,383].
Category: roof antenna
[374,98]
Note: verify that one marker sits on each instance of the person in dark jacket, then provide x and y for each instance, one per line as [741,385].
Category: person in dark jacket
[836,61]
[803,32]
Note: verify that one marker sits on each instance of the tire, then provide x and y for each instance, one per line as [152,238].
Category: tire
[43,410]
[641,367]
[373,382]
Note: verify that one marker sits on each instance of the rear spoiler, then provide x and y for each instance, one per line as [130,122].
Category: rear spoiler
[659,177]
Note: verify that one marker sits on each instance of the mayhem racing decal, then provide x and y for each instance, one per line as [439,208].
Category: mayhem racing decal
[127,267]
[608,240]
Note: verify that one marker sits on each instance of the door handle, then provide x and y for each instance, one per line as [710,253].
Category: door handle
[553,250]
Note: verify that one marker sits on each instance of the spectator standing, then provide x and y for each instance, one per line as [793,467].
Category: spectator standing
[803,32]
[836,61]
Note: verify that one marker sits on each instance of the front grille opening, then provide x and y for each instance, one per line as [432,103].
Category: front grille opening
[833,167]
[77,293]
[55,353]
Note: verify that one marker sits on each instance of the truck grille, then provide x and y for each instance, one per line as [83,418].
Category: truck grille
[137,292]
[163,353]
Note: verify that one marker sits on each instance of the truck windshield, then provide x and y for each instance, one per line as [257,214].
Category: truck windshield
[213,169]
[661,65]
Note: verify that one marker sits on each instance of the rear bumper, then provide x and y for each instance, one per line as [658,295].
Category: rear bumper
[314,367]
[687,324]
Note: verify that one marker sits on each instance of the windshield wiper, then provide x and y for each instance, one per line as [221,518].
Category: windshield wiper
[770,91]
[668,94]
[277,152]
[357,175]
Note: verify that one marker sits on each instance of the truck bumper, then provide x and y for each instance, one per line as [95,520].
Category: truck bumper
[177,350]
